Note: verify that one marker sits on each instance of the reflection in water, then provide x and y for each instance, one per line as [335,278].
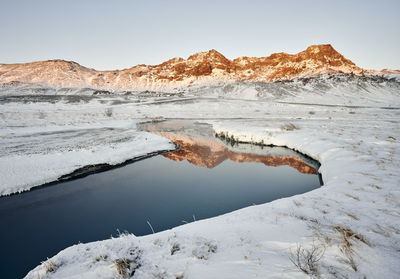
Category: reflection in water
[210,153]
[207,151]
[157,189]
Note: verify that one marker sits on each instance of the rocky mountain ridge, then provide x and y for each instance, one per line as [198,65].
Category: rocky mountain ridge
[200,68]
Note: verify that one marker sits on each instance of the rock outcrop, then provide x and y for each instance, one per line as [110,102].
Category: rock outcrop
[200,68]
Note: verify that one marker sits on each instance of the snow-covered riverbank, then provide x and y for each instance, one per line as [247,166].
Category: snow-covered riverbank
[354,218]
[32,156]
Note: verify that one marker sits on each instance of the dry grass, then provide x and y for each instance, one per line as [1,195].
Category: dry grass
[126,267]
[307,259]
[175,248]
[375,186]
[353,197]
[123,233]
[312,221]
[348,237]
[353,216]
[50,266]
[342,237]
[348,234]
[123,267]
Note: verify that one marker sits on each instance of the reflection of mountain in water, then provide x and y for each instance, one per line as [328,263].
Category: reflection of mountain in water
[210,153]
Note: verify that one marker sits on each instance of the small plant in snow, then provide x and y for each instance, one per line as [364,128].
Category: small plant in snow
[175,248]
[348,237]
[151,227]
[307,259]
[50,266]
[123,267]
[123,233]
[126,267]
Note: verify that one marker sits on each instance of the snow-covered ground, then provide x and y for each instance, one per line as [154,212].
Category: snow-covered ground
[352,222]
[42,142]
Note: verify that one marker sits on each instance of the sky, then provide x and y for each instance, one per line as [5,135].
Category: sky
[108,35]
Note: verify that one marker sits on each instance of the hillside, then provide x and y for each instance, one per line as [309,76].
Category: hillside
[201,68]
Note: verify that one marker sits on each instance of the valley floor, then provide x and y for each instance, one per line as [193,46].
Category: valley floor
[351,223]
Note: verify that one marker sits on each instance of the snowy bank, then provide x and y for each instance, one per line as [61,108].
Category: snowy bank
[349,228]
[32,156]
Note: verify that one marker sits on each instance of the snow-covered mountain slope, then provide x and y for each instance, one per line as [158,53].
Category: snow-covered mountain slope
[332,89]
[201,68]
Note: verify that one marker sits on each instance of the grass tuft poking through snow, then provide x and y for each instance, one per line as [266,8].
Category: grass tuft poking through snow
[348,238]
[50,266]
[306,259]
[123,267]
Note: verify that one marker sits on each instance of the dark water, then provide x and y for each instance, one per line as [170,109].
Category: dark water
[38,224]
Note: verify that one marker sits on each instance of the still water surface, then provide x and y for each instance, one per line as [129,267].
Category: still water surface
[205,178]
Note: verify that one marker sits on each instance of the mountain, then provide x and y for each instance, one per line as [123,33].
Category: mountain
[200,68]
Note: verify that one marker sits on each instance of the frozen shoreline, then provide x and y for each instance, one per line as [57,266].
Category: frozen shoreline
[358,148]
[42,153]
[359,202]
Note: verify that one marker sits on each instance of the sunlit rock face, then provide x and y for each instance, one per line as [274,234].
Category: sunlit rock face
[210,153]
[201,68]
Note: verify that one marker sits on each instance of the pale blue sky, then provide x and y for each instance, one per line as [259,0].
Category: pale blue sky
[120,34]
